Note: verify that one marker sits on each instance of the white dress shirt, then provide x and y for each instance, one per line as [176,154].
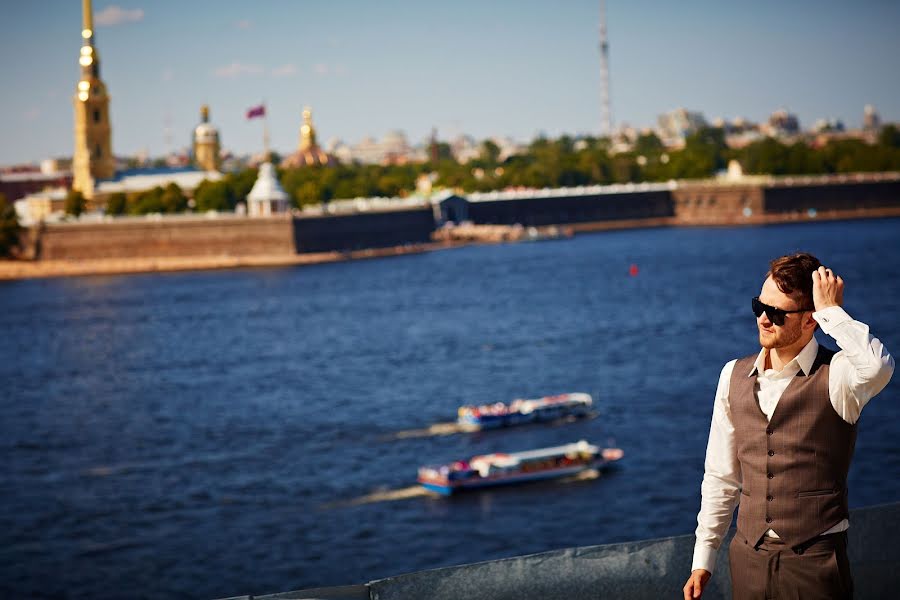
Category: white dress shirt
[859,370]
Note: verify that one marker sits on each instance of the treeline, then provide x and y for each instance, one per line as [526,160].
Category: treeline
[562,162]
[569,162]
[221,195]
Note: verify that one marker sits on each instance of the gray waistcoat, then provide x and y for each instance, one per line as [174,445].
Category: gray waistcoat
[794,467]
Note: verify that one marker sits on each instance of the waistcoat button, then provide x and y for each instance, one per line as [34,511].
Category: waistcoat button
[769,431]
[770,476]
[770,498]
[771,453]
[768,519]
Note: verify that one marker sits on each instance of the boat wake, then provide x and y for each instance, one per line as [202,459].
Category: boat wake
[586,475]
[437,429]
[413,491]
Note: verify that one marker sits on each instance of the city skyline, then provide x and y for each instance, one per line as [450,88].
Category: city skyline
[369,69]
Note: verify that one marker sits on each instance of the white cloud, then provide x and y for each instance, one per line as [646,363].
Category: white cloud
[243,24]
[116,15]
[237,69]
[323,69]
[288,70]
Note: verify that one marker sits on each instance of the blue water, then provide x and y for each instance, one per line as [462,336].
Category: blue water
[186,435]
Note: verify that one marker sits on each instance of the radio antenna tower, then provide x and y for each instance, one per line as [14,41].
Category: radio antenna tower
[605,114]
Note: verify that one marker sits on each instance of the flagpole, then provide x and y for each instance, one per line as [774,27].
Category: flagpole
[265,133]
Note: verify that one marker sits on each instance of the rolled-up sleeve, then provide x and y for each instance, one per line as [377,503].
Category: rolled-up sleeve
[721,479]
[862,367]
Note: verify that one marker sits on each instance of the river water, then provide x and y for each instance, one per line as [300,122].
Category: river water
[202,435]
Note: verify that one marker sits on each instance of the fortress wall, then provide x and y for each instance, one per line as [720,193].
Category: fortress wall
[834,196]
[130,238]
[704,203]
[377,229]
[712,203]
[691,203]
[557,210]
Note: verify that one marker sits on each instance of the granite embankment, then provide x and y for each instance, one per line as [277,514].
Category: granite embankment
[34,269]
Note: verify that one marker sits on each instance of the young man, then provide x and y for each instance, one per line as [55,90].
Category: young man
[782,437]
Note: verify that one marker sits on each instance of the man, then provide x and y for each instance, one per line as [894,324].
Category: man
[782,437]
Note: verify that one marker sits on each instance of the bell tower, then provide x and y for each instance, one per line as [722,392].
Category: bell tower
[93,158]
[206,143]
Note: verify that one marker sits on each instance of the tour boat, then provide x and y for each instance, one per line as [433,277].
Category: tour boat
[502,468]
[518,412]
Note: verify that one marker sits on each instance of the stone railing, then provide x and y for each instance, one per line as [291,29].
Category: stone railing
[646,569]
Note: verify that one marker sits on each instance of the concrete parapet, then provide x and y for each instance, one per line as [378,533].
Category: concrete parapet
[646,569]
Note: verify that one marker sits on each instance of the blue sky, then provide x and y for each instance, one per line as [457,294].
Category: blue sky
[501,67]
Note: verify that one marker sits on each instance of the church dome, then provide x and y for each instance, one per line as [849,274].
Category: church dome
[206,148]
[308,153]
[205,132]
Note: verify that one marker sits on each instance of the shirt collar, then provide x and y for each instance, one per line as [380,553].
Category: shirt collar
[804,359]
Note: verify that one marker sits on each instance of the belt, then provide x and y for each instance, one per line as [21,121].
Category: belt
[801,548]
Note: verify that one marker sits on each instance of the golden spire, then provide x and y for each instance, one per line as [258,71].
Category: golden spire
[308,153]
[87,19]
[204,113]
[307,132]
[93,158]
[89,60]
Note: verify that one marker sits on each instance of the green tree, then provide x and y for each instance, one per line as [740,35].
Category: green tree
[214,195]
[704,153]
[75,203]
[648,144]
[490,152]
[173,199]
[310,192]
[10,230]
[116,204]
[241,183]
[768,156]
[889,137]
[147,202]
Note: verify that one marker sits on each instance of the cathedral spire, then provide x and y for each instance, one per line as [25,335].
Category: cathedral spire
[89,60]
[307,132]
[93,158]
[87,19]
[308,152]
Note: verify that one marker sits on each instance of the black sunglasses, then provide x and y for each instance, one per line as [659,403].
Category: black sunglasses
[776,315]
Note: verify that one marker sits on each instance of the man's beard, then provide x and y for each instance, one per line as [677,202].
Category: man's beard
[781,339]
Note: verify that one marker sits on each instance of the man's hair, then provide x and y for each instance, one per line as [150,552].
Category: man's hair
[793,276]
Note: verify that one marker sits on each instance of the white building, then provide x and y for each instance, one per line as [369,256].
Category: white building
[676,125]
[267,196]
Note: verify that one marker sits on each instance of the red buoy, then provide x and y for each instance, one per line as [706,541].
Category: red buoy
[633,270]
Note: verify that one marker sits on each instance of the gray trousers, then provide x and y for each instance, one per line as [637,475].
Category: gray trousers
[770,570]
